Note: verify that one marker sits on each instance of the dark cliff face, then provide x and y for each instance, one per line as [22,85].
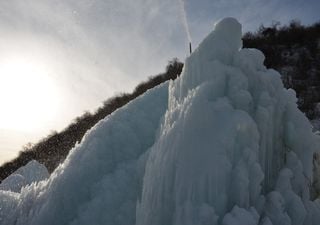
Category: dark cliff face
[294,51]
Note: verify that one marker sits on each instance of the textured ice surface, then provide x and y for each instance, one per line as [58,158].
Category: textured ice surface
[101,178]
[233,141]
[223,144]
[26,175]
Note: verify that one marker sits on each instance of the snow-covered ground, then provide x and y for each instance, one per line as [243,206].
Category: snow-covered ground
[222,144]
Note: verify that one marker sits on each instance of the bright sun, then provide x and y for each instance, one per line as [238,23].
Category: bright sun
[28,96]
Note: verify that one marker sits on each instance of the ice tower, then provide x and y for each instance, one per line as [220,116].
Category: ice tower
[233,145]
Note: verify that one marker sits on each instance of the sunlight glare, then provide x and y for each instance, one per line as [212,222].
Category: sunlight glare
[28,96]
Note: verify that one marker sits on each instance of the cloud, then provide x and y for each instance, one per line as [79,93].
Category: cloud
[95,47]
[98,47]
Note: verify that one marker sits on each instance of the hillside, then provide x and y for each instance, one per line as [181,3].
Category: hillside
[223,144]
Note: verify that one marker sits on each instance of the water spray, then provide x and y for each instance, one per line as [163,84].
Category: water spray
[185,22]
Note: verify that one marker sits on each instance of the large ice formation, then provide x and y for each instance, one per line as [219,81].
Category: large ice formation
[222,144]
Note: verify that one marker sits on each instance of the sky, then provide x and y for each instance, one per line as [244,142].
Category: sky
[61,58]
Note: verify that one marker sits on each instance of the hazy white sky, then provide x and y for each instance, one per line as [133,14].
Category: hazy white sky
[88,50]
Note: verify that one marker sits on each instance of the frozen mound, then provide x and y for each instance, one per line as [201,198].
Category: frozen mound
[101,178]
[233,148]
[223,144]
[26,175]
